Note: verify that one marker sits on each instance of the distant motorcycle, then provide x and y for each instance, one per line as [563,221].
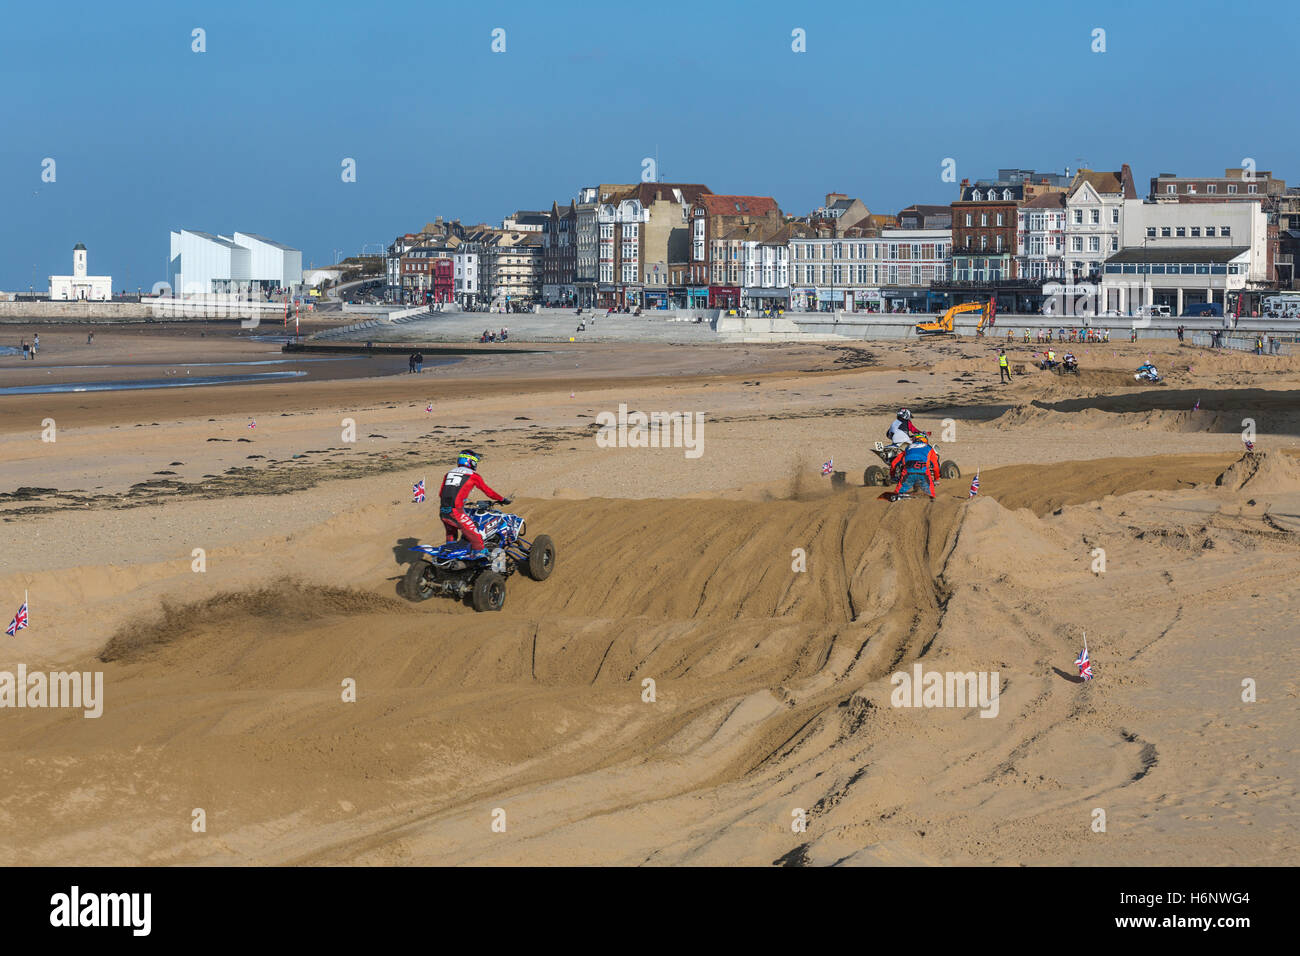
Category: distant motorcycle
[1147,373]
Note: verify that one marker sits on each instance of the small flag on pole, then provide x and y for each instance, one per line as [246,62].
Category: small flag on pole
[1250,445]
[975,485]
[252,424]
[429,407]
[1197,406]
[20,619]
[1084,665]
[828,467]
[417,490]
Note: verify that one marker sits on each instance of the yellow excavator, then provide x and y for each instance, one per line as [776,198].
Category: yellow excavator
[945,325]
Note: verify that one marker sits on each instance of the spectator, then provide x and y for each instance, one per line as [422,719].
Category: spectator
[1004,372]
[410,364]
[419,363]
[27,349]
[36,344]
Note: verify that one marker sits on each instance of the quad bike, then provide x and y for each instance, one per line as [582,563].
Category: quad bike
[875,475]
[452,570]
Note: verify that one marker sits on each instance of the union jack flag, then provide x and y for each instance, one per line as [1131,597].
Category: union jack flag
[19,622]
[828,467]
[975,485]
[418,490]
[1084,665]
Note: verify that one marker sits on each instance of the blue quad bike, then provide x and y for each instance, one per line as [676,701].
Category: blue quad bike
[449,570]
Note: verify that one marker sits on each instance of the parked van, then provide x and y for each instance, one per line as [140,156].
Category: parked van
[1155,311]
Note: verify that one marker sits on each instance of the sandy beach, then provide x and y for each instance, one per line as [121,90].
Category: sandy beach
[771,608]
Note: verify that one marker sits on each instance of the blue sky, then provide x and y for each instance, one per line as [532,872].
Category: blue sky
[148,136]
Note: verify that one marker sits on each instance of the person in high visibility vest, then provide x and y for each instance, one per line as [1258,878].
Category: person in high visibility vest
[1004,371]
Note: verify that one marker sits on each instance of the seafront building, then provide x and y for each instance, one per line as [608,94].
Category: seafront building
[1016,239]
[201,263]
[79,285]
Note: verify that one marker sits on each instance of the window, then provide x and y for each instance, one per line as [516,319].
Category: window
[1114,243]
[997,244]
[1151,232]
[1209,232]
[1225,230]
[1171,189]
[1094,216]
[1114,216]
[1006,195]
[916,250]
[1196,232]
[976,196]
[1232,187]
[1094,244]
[984,219]
[1252,188]
[1078,217]
[968,219]
[1180,232]
[1164,232]
[1191,189]
[999,219]
[1211,188]
[1076,244]
[984,243]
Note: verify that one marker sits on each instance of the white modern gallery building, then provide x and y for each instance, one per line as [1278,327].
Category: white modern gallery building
[201,263]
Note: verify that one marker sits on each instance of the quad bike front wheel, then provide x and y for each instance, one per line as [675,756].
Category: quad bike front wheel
[949,469]
[489,592]
[874,476]
[418,583]
[541,558]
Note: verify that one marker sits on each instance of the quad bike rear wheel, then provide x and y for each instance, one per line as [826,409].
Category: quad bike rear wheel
[418,583]
[949,469]
[873,476]
[489,593]
[541,558]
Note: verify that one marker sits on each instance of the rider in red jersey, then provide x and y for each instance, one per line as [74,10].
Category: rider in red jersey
[456,487]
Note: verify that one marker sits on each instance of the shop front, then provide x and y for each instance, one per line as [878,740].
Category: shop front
[697,298]
[724,297]
[657,299]
[764,299]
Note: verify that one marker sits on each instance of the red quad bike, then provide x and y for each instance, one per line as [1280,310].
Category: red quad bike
[876,476]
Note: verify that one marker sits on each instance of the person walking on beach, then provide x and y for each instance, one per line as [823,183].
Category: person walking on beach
[419,363]
[26,349]
[36,344]
[1004,372]
[410,364]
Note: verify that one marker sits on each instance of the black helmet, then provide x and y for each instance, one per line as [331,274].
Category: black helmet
[468,459]
[904,415]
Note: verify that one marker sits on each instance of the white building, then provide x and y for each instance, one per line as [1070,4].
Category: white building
[467,274]
[895,268]
[1094,213]
[1040,237]
[1184,253]
[201,263]
[79,285]
[272,265]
